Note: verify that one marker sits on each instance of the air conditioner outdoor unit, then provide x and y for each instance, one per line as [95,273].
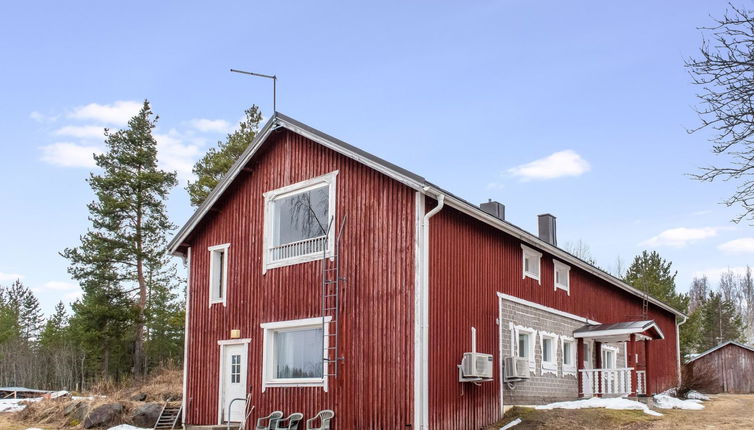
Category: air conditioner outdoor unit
[516,368]
[477,365]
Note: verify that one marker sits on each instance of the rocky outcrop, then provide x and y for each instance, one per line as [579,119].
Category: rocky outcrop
[103,415]
[146,415]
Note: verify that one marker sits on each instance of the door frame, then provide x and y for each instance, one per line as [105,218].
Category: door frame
[221,374]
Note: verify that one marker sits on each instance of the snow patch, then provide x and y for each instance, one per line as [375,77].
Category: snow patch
[515,422]
[601,402]
[15,405]
[126,427]
[664,401]
[695,395]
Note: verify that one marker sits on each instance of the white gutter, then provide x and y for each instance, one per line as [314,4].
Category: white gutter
[421,393]
[187,259]
[678,346]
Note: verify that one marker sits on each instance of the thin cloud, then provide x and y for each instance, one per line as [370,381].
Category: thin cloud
[70,297]
[175,155]
[117,113]
[495,186]
[59,286]
[714,273]
[66,154]
[9,277]
[82,131]
[681,236]
[42,118]
[556,165]
[745,245]
[210,125]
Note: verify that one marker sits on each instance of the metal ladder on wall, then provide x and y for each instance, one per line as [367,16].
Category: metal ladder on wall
[331,286]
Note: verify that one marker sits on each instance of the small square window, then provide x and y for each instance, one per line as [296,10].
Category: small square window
[562,279]
[531,263]
[218,273]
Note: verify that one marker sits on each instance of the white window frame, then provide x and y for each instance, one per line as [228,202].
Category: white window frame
[550,366]
[557,265]
[269,222]
[569,369]
[587,356]
[268,350]
[614,360]
[515,331]
[213,299]
[537,257]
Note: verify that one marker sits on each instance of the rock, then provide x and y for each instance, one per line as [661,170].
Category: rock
[139,397]
[75,411]
[103,415]
[146,415]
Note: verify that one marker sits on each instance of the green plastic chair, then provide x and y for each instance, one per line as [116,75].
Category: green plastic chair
[290,422]
[271,419]
[324,417]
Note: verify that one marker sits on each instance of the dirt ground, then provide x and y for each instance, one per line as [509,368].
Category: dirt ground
[723,411]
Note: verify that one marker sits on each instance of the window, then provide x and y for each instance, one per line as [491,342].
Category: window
[587,356]
[569,355]
[293,353]
[531,260]
[562,276]
[548,342]
[297,221]
[523,345]
[218,273]
[609,357]
[235,369]
[547,349]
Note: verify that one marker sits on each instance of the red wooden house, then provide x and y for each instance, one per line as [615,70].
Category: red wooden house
[323,277]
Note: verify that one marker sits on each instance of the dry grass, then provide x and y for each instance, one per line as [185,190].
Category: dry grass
[582,419]
[163,385]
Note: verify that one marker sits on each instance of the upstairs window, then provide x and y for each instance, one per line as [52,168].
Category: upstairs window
[562,276]
[298,220]
[218,273]
[531,263]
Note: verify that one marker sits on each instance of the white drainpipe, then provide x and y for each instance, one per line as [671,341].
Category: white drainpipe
[678,346]
[423,396]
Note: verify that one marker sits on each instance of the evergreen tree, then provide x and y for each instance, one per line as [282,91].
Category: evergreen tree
[217,161]
[128,234]
[23,306]
[651,273]
[54,332]
[720,322]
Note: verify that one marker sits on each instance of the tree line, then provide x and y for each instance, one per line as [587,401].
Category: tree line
[130,317]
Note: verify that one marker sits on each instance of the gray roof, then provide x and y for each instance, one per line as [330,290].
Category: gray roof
[279,121]
[620,328]
[715,348]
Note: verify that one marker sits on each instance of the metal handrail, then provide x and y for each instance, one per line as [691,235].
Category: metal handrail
[230,407]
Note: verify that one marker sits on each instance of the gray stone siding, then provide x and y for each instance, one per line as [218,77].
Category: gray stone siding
[542,387]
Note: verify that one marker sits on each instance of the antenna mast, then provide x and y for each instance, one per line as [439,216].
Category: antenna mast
[274,85]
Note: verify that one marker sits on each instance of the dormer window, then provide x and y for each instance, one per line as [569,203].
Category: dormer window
[298,224]
[531,263]
[562,274]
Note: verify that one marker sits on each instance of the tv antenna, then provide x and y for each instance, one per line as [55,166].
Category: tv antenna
[274,85]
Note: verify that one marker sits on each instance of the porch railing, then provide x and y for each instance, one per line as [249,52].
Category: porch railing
[641,382]
[606,381]
[296,249]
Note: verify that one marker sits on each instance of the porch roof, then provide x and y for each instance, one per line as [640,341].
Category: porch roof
[620,332]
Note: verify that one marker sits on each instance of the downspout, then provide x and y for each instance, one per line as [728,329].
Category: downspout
[187,261]
[678,345]
[423,413]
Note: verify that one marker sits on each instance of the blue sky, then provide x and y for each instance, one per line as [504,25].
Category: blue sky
[579,109]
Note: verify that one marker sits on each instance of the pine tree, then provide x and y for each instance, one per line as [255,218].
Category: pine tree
[720,322]
[24,306]
[54,332]
[217,161]
[129,226]
[651,273]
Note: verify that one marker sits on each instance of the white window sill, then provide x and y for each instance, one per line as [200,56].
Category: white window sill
[532,276]
[216,302]
[316,256]
[564,288]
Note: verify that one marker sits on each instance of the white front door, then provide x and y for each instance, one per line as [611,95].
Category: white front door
[233,382]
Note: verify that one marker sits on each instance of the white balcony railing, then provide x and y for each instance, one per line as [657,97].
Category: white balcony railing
[297,249]
[641,382]
[606,381]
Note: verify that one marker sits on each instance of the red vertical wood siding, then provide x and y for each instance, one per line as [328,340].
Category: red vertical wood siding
[729,369]
[469,263]
[374,389]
